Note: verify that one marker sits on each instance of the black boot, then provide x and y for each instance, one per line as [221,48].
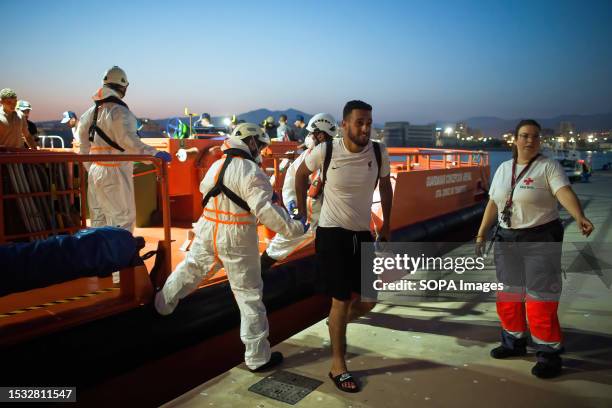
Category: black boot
[549,365]
[275,359]
[504,352]
[158,274]
[266,261]
[510,347]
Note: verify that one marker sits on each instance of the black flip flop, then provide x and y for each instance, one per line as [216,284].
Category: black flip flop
[344,378]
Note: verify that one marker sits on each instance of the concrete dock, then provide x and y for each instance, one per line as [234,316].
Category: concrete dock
[437,354]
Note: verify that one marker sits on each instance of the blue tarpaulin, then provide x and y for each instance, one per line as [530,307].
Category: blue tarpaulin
[90,252]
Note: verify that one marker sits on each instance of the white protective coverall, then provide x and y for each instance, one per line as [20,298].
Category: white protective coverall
[226,236]
[110,184]
[282,246]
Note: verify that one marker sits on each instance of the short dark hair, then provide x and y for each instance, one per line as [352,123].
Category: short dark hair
[355,104]
[283,117]
[523,122]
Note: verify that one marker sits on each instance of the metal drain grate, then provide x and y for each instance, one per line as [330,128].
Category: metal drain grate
[285,386]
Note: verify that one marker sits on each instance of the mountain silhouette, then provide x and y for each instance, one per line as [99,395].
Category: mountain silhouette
[489,125]
[254,116]
[493,126]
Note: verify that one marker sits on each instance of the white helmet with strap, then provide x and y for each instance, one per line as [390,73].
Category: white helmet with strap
[115,75]
[322,122]
[245,130]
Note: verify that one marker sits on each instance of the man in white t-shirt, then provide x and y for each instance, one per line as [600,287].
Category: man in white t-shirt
[354,169]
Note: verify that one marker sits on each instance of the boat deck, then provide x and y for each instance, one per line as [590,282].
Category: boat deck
[437,354]
[103,296]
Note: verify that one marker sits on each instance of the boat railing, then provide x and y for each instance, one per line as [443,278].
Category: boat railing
[43,139]
[72,188]
[276,159]
[415,159]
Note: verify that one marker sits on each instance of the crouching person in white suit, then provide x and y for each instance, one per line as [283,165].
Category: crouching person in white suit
[237,194]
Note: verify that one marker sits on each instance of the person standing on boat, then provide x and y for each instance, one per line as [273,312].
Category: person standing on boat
[270,127]
[26,108]
[109,127]
[322,128]
[237,193]
[283,132]
[300,130]
[70,119]
[354,167]
[234,121]
[13,123]
[524,195]
[204,121]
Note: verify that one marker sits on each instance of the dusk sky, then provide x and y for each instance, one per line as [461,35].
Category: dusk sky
[412,60]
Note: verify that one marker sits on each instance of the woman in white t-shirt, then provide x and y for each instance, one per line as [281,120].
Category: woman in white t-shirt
[523,198]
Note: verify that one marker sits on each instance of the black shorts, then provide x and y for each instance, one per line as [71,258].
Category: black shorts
[339,261]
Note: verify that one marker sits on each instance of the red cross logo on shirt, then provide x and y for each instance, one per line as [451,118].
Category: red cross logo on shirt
[528,181]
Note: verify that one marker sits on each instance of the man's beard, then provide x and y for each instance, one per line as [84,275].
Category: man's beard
[357,140]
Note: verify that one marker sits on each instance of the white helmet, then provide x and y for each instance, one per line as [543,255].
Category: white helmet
[322,122]
[115,75]
[244,130]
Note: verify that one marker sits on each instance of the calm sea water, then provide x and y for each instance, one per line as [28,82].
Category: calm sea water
[496,158]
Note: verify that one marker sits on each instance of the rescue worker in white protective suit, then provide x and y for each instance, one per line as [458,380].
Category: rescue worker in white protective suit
[109,127]
[321,128]
[237,194]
